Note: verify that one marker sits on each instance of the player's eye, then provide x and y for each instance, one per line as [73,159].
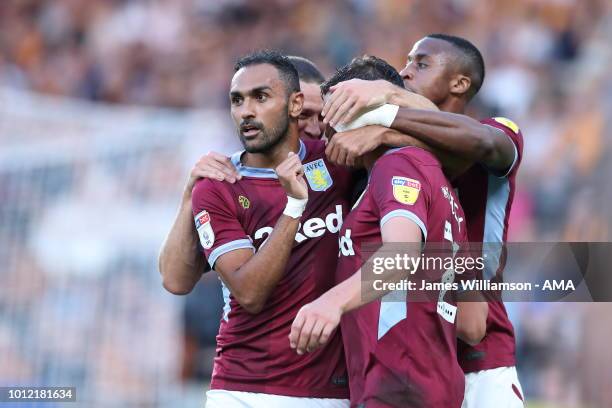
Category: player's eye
[236,100]
[421,65]
[261,97]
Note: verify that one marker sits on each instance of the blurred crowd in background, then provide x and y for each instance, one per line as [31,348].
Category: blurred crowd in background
[106,104]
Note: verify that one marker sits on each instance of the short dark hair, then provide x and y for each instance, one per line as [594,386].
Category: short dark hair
[283,65]
[306,69]
[369,68]
[472,61]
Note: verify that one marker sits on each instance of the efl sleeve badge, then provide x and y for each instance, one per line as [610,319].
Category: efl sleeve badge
[405,190]
[204,228]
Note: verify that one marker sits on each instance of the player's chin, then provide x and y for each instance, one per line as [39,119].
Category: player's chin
[309,136]
[255,145]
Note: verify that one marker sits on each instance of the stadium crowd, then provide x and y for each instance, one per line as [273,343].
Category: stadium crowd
[546,65]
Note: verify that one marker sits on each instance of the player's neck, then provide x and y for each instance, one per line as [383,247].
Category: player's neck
[370,158]
[453,105]
[274,156]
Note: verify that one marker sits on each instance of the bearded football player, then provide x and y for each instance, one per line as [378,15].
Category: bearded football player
[260,235]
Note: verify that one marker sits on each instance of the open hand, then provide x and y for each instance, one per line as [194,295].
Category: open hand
[214,166]
[349,99]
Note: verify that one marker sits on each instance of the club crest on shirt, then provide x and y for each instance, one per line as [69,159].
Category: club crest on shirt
[204,228]
[405,190]
[317,175]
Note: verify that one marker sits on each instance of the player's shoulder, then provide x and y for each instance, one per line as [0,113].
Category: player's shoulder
[210,190]
[315,158]
[510,129]
[409,163]
[502,123]
[206,184]
[314,147]
[411,154]
[314,151]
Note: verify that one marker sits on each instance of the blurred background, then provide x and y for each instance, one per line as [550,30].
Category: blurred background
[105,105]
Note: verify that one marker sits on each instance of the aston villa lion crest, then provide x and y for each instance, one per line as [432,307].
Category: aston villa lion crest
[317,175]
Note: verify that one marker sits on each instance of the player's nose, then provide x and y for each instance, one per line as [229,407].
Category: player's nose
[312,128]
[407,73]
[247,110]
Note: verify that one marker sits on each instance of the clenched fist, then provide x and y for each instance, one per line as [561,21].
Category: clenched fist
[291,176]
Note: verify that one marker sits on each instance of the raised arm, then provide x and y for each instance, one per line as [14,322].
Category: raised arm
[345,148]
[251,277]
[180,262]
[352,98]
[458,134]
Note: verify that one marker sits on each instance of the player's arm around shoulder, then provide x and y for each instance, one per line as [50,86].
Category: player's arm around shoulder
[221,235]
[363,111]
[181,264]
[466,137]
[251,277]
[352,98]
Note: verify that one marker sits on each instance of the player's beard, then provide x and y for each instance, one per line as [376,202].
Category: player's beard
[268,138]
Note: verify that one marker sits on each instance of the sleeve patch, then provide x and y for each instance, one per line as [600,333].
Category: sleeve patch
[405,190]
[204,228]
[508,123]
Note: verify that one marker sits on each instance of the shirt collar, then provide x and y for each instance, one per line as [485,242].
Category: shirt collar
[260,172]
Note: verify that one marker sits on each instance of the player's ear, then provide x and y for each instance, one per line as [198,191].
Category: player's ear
[460,84]
[295,104]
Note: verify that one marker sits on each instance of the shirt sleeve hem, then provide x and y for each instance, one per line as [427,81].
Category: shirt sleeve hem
[228,247]
[406,214]
[506,173]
